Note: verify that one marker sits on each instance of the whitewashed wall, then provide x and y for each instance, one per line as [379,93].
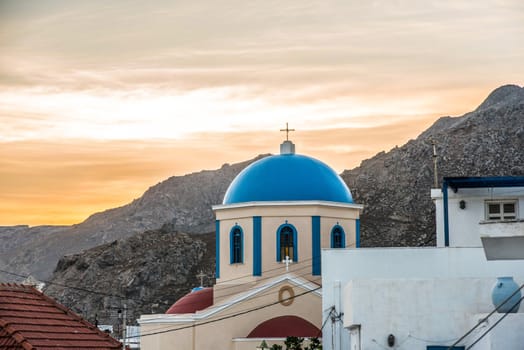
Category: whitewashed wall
[419,273]
[464,223]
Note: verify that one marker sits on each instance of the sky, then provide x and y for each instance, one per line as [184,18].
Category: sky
[100,100]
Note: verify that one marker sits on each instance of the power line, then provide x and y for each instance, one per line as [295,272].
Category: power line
[495,324]
[331,310]
[251,299]
[485,318]
[303,262]
[228,316]
[127,298]
[65,285]
[123,297]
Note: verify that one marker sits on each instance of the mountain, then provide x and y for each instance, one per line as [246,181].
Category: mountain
[148,272]
[395,186]
[184,201]
[154,268]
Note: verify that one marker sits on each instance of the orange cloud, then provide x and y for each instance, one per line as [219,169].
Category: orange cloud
[63,182]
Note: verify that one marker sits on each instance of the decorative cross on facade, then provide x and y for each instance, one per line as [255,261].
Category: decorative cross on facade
[201,275]
[287,130]
[287,261]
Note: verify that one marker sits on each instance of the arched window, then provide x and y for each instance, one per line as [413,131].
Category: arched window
[338,237]
[287,243]
[236,243]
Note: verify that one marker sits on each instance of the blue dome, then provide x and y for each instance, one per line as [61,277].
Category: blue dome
[287,177]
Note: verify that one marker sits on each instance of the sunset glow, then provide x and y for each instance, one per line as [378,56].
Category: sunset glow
[100,100]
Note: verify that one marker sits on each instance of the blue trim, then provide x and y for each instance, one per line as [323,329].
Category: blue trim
[257,246]
[473,182]
[342,237]
[315,237]
[446,216]
[231,245]
[357,233]
[295,243]
[217,248]
[479,182]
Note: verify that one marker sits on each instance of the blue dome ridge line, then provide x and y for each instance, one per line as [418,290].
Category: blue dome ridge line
[287,177]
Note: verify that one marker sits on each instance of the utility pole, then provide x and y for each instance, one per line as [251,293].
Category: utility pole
[435,180]
[124,327]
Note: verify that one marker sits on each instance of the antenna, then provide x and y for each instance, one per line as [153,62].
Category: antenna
[435,171]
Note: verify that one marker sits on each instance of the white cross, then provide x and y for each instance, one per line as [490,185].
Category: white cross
[201,275]
[287,261]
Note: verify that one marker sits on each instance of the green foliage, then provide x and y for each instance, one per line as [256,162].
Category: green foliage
[314,344]
[296,343]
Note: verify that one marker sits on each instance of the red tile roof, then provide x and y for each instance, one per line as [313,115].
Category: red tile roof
[29,320]
[192,302]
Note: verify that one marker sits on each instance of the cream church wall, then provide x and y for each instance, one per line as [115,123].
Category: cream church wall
[272,217]
[171,339]
[219,334]
[240,272]
[327,224]
[287,208]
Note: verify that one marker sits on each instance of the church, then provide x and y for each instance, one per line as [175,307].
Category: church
[276,217]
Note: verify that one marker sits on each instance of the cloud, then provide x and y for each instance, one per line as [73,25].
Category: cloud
[64,181]
[190,81]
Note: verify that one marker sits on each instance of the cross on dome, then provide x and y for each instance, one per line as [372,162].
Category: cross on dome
[287,130]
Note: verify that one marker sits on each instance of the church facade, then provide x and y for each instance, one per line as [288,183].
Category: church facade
[277,216]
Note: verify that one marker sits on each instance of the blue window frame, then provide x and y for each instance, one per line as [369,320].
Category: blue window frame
[338,237]
[287,242]
[236,245]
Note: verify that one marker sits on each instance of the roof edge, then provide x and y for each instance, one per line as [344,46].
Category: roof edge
[287,203]
[483,181]
[214,309]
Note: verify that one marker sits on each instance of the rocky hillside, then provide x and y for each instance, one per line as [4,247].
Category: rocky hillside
[148,271]
[184,201]
[395,186]
[153,269]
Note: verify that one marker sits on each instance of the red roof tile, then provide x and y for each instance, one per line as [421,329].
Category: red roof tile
[192,302]
[29,320]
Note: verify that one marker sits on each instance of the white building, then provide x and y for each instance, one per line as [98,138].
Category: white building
[428,298]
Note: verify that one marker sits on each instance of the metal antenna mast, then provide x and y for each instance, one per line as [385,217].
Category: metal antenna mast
[435,173]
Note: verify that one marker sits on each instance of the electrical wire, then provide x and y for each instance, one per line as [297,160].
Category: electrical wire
[122,297]
[85,290]
[495,324]
[331,310]
[65,285]
[485,318]
[226,317]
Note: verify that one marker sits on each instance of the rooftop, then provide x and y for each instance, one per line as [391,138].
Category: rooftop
[287,177]
[31,320]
